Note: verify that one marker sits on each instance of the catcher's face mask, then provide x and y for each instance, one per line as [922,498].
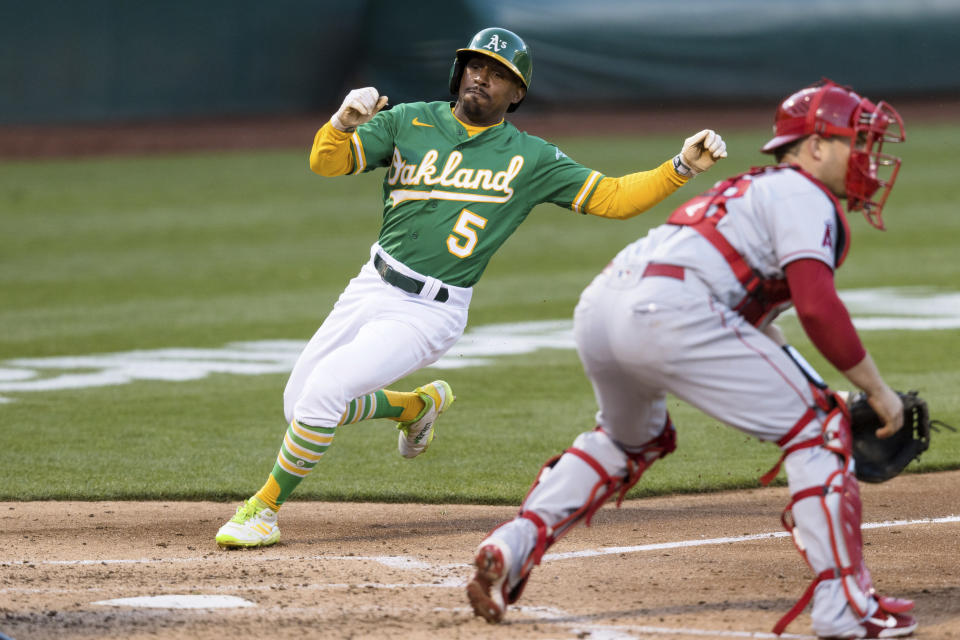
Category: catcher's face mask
[869,170]
[828,109]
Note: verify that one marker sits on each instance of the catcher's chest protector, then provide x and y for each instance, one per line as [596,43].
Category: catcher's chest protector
[704,212]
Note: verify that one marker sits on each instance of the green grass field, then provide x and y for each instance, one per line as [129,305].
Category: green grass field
[201,250]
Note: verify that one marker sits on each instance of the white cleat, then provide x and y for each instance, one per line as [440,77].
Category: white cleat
[254,525]
[417,434]
[883,624]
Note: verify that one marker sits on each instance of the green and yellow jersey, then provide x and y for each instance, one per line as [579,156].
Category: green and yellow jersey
[453,194]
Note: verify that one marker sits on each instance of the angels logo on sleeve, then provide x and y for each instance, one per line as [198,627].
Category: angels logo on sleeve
[827,236]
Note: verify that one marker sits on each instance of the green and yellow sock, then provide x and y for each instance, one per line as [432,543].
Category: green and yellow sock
[303,445]
[396,405]
[302,448]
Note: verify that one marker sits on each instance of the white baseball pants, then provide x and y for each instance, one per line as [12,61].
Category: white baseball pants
[641,338]
[375,334]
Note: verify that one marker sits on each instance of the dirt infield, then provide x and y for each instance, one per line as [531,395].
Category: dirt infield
[392,571]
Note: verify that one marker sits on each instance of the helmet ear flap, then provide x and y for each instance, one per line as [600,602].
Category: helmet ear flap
[456,73]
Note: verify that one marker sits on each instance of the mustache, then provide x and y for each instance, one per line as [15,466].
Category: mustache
[477,90]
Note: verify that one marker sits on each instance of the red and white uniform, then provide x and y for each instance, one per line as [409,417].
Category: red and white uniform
[643,336]
[669,315]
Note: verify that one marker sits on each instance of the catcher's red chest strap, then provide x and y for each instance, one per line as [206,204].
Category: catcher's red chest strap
[704,212]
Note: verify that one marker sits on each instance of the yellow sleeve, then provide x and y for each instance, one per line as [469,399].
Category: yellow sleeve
[330,155]
[634,193]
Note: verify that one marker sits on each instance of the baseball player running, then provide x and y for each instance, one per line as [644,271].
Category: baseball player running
[687,310]
[458,182]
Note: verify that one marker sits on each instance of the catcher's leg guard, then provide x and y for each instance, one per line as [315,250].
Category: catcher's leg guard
[569,488]
[575,485]
[824,519]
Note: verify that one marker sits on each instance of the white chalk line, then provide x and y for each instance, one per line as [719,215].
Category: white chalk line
[710,541]
[408,563]
[179,601]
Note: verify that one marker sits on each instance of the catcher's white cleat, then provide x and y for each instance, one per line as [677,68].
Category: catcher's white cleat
[254,525]
[882,625]
[487,590]
[417,434]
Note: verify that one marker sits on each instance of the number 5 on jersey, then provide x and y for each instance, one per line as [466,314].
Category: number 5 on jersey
[464,228]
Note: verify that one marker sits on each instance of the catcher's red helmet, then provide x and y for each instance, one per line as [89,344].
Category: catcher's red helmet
[828,109]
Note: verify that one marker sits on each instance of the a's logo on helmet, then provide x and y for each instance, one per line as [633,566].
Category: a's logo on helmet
[495,44]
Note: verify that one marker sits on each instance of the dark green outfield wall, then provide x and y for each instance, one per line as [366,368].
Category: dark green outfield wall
[95,60]
[100,60]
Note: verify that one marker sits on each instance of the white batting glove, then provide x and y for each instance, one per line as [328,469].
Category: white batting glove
[700,151]
[358,107]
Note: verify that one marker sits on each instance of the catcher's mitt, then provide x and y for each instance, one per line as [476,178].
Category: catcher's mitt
[878,460]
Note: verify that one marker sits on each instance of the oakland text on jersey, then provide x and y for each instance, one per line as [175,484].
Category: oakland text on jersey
[451,175]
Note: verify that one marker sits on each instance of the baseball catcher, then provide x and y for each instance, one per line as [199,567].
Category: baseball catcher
[688,310]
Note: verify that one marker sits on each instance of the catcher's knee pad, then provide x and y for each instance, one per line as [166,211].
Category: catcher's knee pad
[826,424]
[573,486]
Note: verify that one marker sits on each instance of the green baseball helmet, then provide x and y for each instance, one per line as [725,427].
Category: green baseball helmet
[502,45]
